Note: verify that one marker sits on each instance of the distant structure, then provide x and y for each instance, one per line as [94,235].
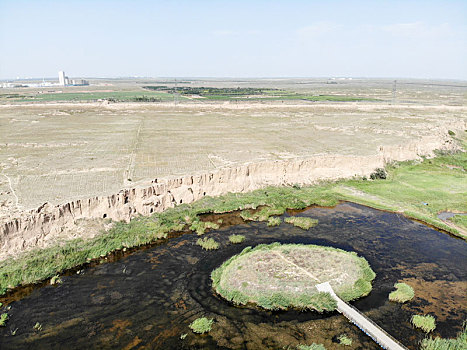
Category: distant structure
[63,80]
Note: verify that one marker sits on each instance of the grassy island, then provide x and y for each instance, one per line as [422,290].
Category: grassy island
[277,277]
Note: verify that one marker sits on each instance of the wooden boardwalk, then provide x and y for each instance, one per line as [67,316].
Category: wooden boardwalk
[378,334]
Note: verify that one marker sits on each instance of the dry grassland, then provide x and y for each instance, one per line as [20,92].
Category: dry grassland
[57,152]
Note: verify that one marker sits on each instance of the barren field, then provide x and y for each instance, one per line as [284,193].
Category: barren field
[61,151]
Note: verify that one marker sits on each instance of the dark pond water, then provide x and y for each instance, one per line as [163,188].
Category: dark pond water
[146,300]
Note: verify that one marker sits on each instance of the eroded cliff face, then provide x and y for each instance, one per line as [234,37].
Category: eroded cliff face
[44,225]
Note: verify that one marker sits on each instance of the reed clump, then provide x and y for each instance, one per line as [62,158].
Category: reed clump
[207,243]
[425,323]
[274,221]
[302,222]
[459,343]
[402,294]
[236,239]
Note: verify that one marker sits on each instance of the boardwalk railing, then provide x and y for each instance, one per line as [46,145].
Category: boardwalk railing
[379,335]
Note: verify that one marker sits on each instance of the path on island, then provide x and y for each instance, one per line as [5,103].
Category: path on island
[378,334]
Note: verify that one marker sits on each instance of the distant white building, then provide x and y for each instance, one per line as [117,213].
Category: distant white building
[63,80]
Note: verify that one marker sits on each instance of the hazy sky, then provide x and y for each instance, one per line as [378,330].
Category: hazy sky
[98,38]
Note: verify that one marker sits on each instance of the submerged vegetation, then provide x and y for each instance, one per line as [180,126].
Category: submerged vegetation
[232,279]
[459,343]
[313,346]
[304,223]
[207,243]
[439,182]
[235,239]
[201,325]
[426,323]
[402,294]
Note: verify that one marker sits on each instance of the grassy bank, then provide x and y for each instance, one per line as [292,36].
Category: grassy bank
[419,189]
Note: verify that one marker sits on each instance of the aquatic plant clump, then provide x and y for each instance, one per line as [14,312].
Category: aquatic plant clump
[207,243]
[3,319]
[425,323]
[263,214]
[344,340]
[459,343]
[402,294]
[236,239]
[302,222]
[278,277]
[201,325]
[200,226]
[274,221]
[313,346]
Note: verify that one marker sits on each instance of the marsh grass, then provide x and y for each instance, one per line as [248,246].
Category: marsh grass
[344,340]
[264,214]
[200,227]
[207,243]
[236,239]
[274,221]
[459,220]
[302,222]
[201,325]
[402,294]
[426,323]
[459,343]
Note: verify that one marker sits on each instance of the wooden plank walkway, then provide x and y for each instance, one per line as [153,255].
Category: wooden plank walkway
[378,334]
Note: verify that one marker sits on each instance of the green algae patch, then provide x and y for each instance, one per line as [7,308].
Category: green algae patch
[279,277]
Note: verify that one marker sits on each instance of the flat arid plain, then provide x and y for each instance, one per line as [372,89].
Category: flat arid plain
[90,173]
[56,151]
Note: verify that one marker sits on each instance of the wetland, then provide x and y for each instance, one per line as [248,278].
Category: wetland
[148,298]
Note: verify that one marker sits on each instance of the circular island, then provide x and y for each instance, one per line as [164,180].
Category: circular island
[281,276]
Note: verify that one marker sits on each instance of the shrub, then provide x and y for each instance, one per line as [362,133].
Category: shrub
[379,173]
[3,319]
[426,323]
[235,239]
[344,340]
[451,133]
[402,294]
[274,221]
[302,222]
[201,325]
[207,243]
